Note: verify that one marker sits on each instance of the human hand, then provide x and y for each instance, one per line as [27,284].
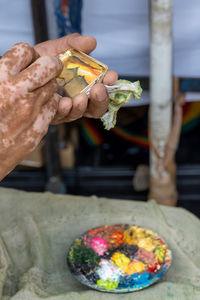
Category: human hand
[28,102]
[72,109]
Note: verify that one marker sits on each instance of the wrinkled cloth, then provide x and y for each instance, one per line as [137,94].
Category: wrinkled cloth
[37,229]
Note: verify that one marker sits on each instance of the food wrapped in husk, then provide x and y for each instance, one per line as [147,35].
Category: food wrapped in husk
[119,93]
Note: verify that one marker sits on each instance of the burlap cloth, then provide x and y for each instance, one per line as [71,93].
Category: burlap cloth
[37,229]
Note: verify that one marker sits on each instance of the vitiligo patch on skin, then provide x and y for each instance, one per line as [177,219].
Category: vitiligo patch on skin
[7,143]
[80,72]
[28,102]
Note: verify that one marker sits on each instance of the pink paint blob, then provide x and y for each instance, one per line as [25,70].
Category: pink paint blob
[146,256]
[99,245]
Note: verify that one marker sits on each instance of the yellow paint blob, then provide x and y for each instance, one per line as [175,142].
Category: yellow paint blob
[121,260]
[134,233]
[135,267]
[147,243]
[78,242]
[129,236]
[160,253]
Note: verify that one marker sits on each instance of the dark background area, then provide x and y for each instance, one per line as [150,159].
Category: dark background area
[107,170]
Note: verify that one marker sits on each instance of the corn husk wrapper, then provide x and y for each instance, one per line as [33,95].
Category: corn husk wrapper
[119,93]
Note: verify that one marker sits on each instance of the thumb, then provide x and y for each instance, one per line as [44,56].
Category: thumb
[75,40]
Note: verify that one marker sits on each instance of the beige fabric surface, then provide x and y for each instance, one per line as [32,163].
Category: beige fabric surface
[37,229]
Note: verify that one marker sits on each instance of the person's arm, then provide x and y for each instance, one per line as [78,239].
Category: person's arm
[28,102]
[28,98]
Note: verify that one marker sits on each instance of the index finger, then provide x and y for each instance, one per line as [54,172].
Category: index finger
[110,77]
[39,73]
[54,47]
[17,58]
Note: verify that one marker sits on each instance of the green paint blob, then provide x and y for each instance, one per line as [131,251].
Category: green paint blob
[108,285]
[82,254]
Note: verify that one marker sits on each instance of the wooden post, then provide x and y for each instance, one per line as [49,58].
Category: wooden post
[162,175]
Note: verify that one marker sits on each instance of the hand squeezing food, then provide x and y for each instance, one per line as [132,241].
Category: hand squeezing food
[81,72]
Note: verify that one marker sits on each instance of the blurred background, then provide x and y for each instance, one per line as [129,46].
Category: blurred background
[81,157]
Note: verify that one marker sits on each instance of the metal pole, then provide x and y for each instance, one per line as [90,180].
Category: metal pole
[162,177]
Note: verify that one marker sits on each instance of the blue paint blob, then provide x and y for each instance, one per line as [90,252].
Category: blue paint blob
[134,279]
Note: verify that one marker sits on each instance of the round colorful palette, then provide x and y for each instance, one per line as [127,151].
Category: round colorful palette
[119,258]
